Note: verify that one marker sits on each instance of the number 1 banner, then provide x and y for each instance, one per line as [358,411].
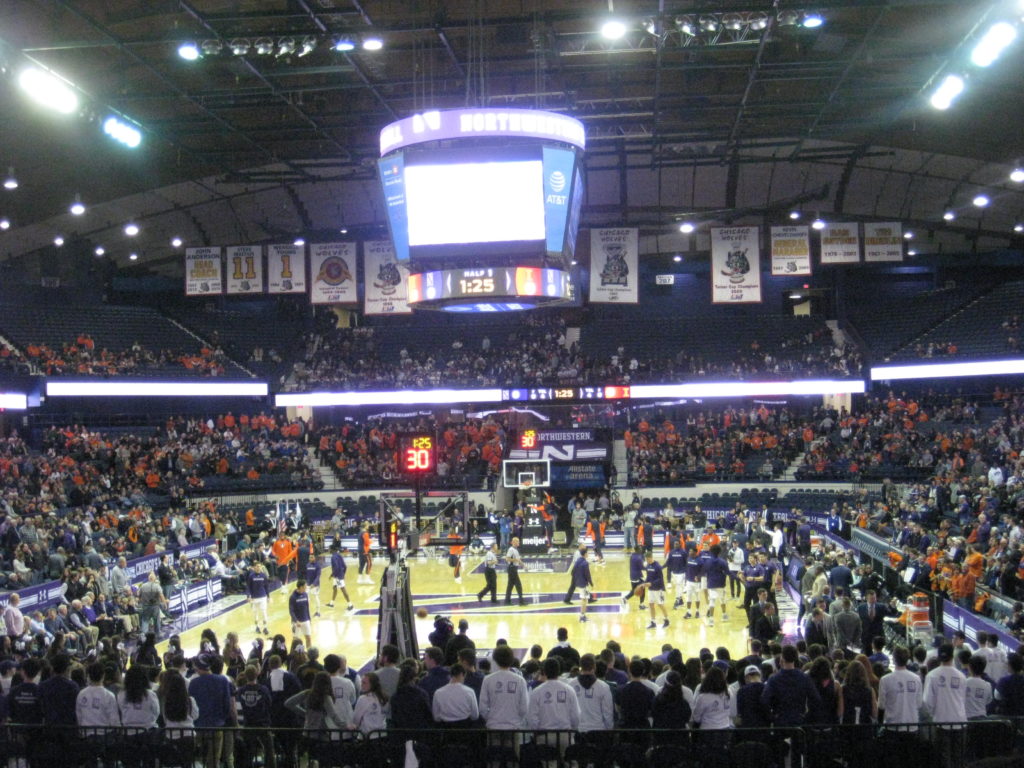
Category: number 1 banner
[333,267]
[245,269]
[286,269]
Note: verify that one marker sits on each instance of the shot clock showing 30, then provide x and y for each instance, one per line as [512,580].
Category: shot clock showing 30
[417,454]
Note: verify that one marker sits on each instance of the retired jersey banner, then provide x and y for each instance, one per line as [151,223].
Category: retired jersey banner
[286,269]
[333,268]
[883,241]
[791,250]
[735,265]
[386,283]
[245,269]
[203,272]
[840,244]
[614,265]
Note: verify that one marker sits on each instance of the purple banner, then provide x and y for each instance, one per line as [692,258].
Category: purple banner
[955,618]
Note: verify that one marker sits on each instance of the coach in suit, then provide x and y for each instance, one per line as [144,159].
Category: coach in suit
[872,613]
[815,630]
[767,628]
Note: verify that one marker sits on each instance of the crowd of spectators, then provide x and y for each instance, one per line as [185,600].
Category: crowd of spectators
[80,357]
[538,353]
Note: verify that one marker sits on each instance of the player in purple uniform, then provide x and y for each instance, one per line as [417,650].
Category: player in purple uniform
[338,568]
[655,580]
[257,588]
[717,571]
[312,576]
[636,577]
[583,582]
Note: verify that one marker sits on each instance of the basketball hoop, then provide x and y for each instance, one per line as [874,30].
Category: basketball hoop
[526,485]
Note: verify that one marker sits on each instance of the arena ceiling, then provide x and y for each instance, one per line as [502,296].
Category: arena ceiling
[731,124]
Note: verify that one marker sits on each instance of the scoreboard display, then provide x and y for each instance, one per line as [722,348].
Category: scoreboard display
[537,394]
[417,454]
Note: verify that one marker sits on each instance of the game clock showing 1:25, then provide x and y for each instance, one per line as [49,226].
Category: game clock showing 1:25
[417,454]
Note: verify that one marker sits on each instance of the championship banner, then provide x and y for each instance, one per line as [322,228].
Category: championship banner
[203,272]
[791,250]
[286,269]
[735,265]
[614,265]
[883,241]
[245,269]
[840,244]
[333,267]
[386,283]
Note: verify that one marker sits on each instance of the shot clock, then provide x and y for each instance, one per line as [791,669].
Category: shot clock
[417,454]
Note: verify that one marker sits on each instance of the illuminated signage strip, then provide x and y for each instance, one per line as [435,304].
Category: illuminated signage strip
[156,388]
[468,123]
[947,370]
[749,388]
[404,397]
[13,401]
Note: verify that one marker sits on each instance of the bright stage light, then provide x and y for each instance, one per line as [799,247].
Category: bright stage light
[344,45]
[48,90]
[949,215]
[946,93]
[176,242]
[981,201]
[189,51]
[813,20]
[11,181]
[5,224]
[77,207]
[686,227]
[123,132]
[998,37]
[794,215]
[1017,175]
[58,241]
[133,257]
[613,29]
[373,44]
[818,224]
[100,250]
[131,229]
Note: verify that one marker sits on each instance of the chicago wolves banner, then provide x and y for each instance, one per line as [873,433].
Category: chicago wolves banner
[840,244]
[245,269]
[386,282]
[613,265]
[286,269]
[883,241]
[735,265]
[791,250]
[333,267]
[203,272]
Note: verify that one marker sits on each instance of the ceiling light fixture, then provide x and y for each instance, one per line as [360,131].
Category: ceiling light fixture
[344,45]
[908,235]
[133,257]
[1018,228]
[307,46]
[176,242]
[733,21]
[788,18]
[1017,175]
[613,29]
[373,44]
[995,40]
[211,47]
[794,215]
[813,20]
[100,250]
[946,93]
[299,242]
[677,258]
[189,51]
[911,252]
[949,215]
[11,182]
[818,223]
[77,207]
[58,241]
[651,26]
[286,46]
[239,46]
[686,227]
[685,25]
[264,46]
[758,21]
[5,224]
[123,132]
[131,229]
[980,201]
[708,23]
[48,90]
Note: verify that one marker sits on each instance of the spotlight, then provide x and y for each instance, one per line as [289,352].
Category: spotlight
[299,242]
[48,90]
[794,215]
[949,215]
[344,45]
[992,43]
[189,51]
[133,257]
[947,92]
[573,263]
[58,241]
[211,47]
[818,223]
[733,21]
[373,44]
[708,23]
[685,25]
[788,18]
[911,252]
[1018,228]
[239,46]
[343,230]
[5,224]
[758,21]
[651,26]
[123,132]
[980,201]
[613,29]
[176,242]
[686,227]
[908,235]
[813,20]
[677,258]
[131,229]
[1017,175]
[11,182]
[77,207]
[307,46]
[264,46]
[286,46]
[100,250]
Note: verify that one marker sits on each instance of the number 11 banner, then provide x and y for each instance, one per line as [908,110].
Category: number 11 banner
[245,269]
[286,269]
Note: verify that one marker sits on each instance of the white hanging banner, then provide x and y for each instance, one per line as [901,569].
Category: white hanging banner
[883,241]
[203,272]
[791,250]
[286,269]
[386,281]
[614,262]
[245,269]
[735,265]
[840,244]
[333,267]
